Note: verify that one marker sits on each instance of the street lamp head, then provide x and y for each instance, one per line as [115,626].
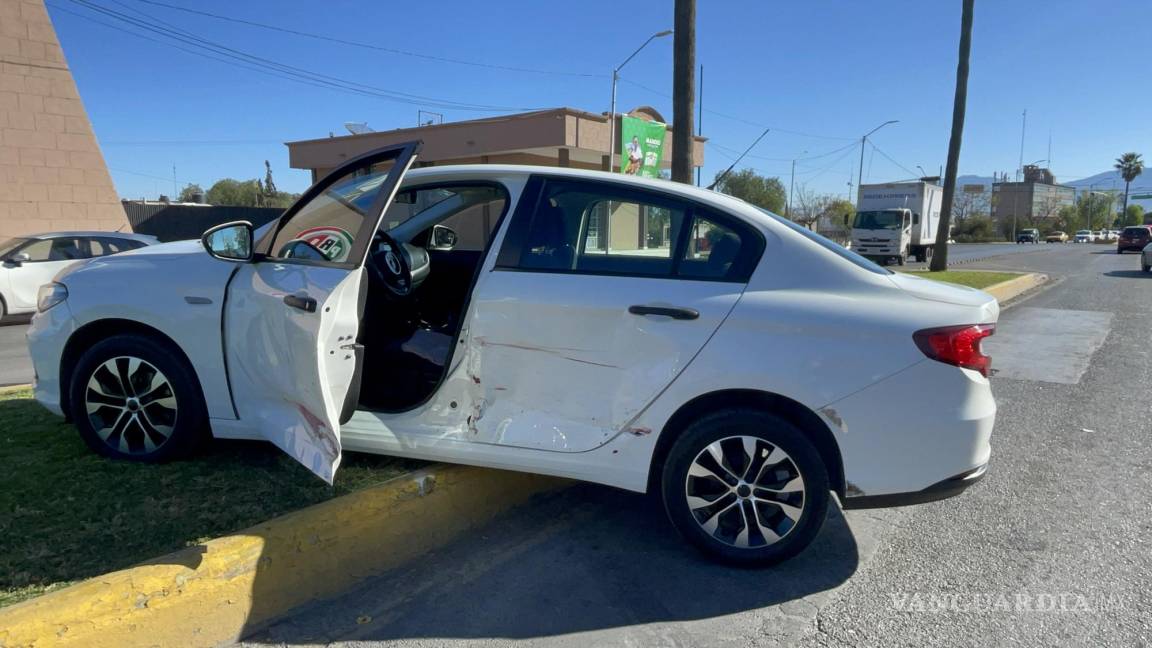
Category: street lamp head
[666,32]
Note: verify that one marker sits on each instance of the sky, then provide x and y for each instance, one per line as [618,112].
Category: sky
[818,73]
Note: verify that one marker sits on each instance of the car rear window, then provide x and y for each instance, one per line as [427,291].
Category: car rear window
[1136,231]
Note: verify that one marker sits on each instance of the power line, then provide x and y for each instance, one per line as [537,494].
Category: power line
[391,50]
[889,158]
[280,69]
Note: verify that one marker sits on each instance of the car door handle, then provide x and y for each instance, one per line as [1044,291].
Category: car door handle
[674,313]
[303,302]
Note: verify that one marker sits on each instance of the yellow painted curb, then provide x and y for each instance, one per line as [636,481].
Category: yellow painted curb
[216,592]
[1006,290]
[7,389]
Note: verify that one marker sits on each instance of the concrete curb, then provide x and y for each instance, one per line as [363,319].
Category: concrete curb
[1006,290]
[216,592]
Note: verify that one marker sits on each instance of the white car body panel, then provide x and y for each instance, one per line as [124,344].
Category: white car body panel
[19,285]
[289,370]
[553,375]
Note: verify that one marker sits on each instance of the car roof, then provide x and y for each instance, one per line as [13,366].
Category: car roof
[143,238]
[479,171]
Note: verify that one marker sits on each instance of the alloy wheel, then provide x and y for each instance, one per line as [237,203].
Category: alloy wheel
[745,492]
[131,405]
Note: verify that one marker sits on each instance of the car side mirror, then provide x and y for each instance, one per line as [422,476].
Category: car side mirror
[17,260]
[443,237]
[230,241]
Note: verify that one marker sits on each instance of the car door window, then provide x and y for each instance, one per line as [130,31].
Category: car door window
[712,252]
[599,228]
[66,249]
[38,250]
[324,230]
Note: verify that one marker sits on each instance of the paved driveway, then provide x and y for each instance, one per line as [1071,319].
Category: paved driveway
[15,365]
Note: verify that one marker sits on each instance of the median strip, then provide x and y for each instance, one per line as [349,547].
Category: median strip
[223,589]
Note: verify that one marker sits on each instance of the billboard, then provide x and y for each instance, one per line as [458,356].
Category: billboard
[642,146]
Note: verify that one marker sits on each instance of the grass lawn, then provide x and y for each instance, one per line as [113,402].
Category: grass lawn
[972,278]
[67,514]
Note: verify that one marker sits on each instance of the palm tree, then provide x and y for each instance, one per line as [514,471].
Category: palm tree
[959,104]
[1130,166]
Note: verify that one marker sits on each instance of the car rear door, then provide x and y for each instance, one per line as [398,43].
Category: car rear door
[600,296]
[292,318]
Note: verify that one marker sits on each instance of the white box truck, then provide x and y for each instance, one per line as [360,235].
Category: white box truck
[897,220]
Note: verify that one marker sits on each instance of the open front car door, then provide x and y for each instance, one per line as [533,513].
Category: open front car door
[292,317]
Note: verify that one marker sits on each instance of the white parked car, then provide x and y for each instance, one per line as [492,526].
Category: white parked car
[636,333]
[1146,258]
[28,262]
[1082,236]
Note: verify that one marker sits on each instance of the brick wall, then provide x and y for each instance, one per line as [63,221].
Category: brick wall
[52,174]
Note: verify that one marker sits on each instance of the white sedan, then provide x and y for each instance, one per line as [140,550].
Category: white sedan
[28,262]
[631,332]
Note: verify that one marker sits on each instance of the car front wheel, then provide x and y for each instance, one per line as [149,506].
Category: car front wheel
[135,398]
[746,487]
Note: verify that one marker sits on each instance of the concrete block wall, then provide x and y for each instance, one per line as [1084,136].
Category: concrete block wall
[52,173]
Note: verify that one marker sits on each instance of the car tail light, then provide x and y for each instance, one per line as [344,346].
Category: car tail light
[957,345]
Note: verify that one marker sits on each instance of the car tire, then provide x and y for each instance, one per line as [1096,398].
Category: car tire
[135,398]
[790,502]
[903,258]
[1145,267]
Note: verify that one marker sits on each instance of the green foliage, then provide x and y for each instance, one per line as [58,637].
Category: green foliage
[189,192]
[69,514]
[975,229]
[1134,215]
[1130,165]
[756,189]
[1095,208]
[247,193]
[1067,220]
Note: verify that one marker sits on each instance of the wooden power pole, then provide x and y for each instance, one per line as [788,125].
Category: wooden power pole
[940,257]
[683,89]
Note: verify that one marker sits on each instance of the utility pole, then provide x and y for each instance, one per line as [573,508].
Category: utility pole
[791,188]
[959,106]
[683,82]
[1023,129]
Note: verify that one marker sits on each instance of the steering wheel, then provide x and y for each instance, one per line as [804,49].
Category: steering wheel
[391,266]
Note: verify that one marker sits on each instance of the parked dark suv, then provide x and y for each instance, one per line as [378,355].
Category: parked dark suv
[1134,237]
[1028,236]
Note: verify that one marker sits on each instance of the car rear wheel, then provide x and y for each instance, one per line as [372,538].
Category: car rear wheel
[135,398]
[1145,267]
[745,487]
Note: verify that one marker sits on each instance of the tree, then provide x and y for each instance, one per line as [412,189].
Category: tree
[754,188]
[1130,167]
[1067,219]
[1133,215]
[234,193]
[959,105]
[1095,209]
[968,203]
[190,192]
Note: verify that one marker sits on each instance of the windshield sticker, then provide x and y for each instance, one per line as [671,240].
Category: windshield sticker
[334,243]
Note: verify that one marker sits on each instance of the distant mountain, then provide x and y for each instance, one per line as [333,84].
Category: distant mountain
[1108,180]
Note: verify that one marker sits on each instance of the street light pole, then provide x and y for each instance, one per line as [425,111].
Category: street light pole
[612,111]
[863,141]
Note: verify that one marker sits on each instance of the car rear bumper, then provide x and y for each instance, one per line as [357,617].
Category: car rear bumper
[911,435]
[940,490]
[47,336]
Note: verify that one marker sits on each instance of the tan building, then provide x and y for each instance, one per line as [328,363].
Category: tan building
[52,174]
[563,137]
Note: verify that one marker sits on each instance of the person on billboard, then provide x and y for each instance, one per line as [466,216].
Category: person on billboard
[635,157]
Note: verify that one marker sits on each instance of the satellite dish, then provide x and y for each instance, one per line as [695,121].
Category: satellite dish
[359,128]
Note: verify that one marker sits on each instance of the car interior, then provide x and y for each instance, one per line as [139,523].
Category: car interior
[418,288]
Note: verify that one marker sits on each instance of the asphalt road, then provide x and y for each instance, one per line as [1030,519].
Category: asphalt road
[1054,547]
[15,365]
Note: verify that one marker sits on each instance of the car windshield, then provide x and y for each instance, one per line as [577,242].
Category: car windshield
[1135,231]
[891,220]
[828,244]
[11,244]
